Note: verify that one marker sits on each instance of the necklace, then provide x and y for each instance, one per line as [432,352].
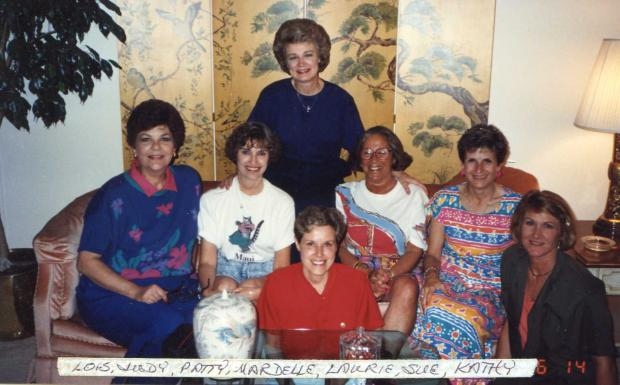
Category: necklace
[305,106]
[300,97]
[538,275]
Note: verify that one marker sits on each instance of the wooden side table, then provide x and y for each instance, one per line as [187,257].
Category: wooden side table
[605,266]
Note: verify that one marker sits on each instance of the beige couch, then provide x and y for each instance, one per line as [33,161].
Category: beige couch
[59,330]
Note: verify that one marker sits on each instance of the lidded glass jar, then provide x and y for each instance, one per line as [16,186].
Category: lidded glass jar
[359,344]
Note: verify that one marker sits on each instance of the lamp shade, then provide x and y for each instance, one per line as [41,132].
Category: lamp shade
[600,105]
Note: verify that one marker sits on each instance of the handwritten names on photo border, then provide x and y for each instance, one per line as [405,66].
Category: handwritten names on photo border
[260,368]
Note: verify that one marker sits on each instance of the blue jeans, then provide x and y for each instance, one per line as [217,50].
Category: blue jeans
[242,271]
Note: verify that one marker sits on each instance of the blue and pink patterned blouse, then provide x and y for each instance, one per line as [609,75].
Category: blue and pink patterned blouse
[140,233]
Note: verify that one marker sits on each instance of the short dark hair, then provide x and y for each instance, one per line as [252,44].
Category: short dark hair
[151,113]
[400,159]
[301,31]
[484,136]
[551,203]
[313,216]
[255,132]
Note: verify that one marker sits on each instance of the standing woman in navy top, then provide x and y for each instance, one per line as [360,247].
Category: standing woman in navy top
[313,118]
[139,231]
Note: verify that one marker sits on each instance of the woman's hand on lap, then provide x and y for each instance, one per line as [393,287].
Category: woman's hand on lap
[150,294]
[379,282]
[251,293]
[431,283]
[208,292]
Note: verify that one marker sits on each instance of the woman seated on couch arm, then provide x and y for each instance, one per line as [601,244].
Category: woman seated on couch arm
[461,313]
[247,230]
[385,225]
[139,231]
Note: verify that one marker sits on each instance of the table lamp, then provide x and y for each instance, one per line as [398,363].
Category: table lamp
[600,111]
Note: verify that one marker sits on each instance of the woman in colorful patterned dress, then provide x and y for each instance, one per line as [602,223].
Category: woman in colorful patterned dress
[385,225]
[139,232]
[461,313]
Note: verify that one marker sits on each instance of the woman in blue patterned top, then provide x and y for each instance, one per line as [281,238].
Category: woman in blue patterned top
[139,231]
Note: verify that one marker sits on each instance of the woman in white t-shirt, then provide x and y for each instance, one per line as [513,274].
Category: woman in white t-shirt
[246,230]
[385,225]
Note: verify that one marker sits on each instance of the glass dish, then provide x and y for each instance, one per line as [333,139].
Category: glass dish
[596,243]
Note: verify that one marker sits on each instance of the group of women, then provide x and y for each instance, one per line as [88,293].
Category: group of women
[490,279]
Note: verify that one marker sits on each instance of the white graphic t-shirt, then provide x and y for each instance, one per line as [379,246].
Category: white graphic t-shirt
[247,228]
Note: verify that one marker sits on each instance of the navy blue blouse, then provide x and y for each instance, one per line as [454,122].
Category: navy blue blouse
[313,130]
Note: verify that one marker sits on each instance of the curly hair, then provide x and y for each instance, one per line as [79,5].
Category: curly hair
[400,159]
[551,203]
[484,136]
[255,133]
[152,113]
[301,31]
[313,216]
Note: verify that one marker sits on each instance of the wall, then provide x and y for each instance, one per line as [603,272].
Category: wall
[543,52]
[42,171]
[444,63]
[542,56]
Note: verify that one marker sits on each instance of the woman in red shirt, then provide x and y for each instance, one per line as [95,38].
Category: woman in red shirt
[318,293]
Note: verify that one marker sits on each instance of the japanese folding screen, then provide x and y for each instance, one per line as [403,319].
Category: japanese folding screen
[421,67]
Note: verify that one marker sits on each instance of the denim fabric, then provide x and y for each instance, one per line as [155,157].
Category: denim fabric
[242,271]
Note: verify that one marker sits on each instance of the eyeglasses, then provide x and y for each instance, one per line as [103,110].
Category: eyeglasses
[381,153]
[183,293]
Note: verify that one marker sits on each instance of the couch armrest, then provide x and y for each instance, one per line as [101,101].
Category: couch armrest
[41,306]
[55,247]
[515,179]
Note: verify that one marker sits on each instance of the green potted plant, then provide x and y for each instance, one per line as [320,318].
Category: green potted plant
[42,58]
